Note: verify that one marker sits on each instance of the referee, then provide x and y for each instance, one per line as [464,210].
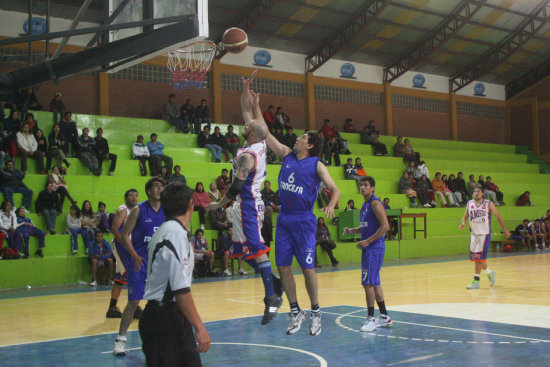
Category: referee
[166,326]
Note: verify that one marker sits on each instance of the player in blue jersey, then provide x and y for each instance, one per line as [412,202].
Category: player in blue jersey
[374,224]
[142,222]
[299,179]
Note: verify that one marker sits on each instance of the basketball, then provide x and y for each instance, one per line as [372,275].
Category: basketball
[234,40]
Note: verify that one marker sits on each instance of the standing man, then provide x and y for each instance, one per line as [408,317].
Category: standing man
[249,171]
[166,328]
[374,224]
[142,222]
[299,180]
[479,211]
[130,201]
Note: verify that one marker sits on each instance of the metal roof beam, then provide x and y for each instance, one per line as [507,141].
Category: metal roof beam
[109,20]
[72,26]
[434,40]
[528,79]
[365,16]
[488,61]
[319,8]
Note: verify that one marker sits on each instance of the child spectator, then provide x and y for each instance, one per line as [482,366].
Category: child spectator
[47,204]
[104,219]
[201,200]
[88,219]
[100,255]
[360,171]
[27,228]
[8,226]
[350,173]
[324,240]
[177,176]
[74,228]
[223,181]
[60,187]
[350,206]
[202,250]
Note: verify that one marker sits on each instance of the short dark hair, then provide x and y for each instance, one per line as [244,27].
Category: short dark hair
[459,172]
[97,130]
[139,136]
[76,209]
[349,159]
[203,100]
[488,177]
[369,179]
[230,126]
[66,113]
[153,134]
[151,181]
[314,139]
[198,231]
[267,181]
[175,199]
[526,220]
[270,106]
[171,95]
[127,193]
[225,169]
[177,166]
[100,204]
[388,199]
[438,173]
[82,129]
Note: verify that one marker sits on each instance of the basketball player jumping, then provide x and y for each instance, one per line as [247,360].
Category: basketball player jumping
[249,169]
[479,211]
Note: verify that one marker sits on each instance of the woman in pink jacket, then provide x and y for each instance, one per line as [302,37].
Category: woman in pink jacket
[201,200]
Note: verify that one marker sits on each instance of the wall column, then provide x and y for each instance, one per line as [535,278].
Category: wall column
[452,117]
[508,136]
[309,89]
[216,90]
[103,80]
[387,105]
[535,115]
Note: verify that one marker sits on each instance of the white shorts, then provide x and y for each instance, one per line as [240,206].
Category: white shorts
[119,267]
[247,237]
[199,256]
[479,247]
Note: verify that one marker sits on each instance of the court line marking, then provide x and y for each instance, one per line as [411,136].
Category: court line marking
[321,360]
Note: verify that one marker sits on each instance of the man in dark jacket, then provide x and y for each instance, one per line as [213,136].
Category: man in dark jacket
[102,151]
[46,204]
[219,140]
[232,141]
[70,132]
[202,113]
[11,181]
[205,141]
[461,185]
[290,138]
[86,152]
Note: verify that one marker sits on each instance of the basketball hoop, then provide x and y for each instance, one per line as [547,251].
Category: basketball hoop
[190,63]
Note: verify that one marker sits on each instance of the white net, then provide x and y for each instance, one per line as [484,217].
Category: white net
[189,64]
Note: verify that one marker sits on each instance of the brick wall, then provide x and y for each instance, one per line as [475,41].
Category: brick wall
[481,129]
[360,113]
[544,130]
[79,93]
[420,124]
[540,90]
[521,132]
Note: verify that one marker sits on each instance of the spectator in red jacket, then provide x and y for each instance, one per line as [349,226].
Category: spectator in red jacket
[232,142]
[491,186]
[327,130]
[269,117]
[349,127]
[524,199]
[201,200]
[223,181]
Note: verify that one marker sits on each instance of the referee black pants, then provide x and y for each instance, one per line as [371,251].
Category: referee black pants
[167,337]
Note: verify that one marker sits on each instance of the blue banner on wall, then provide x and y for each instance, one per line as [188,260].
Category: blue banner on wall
[347,70]
[418,81]
[38,26]
[262,58]
[479,89]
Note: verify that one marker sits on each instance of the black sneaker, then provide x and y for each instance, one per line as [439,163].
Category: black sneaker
[272,305]
[278,286]
[113,313]
[137,313]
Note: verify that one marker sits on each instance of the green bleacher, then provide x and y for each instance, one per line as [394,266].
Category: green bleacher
[509,167]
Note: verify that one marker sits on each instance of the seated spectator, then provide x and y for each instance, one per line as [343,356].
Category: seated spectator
[371,128]
[218,220]
[411,169]
[223,181]
[102,152]
[494,188]
[421,170]
[327,130]
[27,228]
[202,251]
[57,107]
[538,233]
[229,212]
[28,147]
[271,205]
[460,185]
[392,221]
[60,188]
[332,151]
[12,182]
[41,142]
[171,114]
[57,143]
[455,187]
[399,148]
[290,138]
[269,117]
[409,153]
[86,152]
[405,188]
[177,176]
[457,198]
[70,132]
[282,118]
[350,173]
[164,173]
[324,240]
[8,226]
[33,124]
[205,141]
[188,116]
[278,134]
[439,189]
[360,171]
[74,228]
[201,200]
[202,116]
[222,250]
[378,148]
[157,157]
[214,194]
[350,206]
[232,142]
[100,254]
[104,218]
[342,143]
[140,151]
[422,188]
[349,127]
[366,136]
[489,194]
[471,185]
[88,219]
[219,140]
[522,234]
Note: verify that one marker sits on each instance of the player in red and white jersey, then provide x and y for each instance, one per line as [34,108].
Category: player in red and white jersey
[479,211]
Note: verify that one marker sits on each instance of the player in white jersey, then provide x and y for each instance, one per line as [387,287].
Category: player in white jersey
[479,211]
[249,171]
[130,201]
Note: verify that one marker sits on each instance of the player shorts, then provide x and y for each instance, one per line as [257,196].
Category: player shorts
[247,240]
[136,279]
[120,271]
[371,263]
[295,236]
[479,246]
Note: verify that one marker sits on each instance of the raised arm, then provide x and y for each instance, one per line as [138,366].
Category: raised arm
[246,103]
[380,213]
[322,171]
[494,211]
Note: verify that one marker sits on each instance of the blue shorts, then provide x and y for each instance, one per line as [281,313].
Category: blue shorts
[247,238]
[371,263]
[295,236]
[136,279]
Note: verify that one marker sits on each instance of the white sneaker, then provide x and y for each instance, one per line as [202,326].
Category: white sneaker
[492,278]
[242,271]
[427,205]
[227,273]
[74,252]
[120,346]
[369,325]
[295,322]
[93,283]
[315,324]
[202,227]
[383,321]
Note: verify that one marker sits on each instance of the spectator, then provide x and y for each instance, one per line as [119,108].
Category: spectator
[157,156]
[86,152]
[324,240]
[360,171]
[28,147]
[378,148]
[332,151]
[455,188]
[232,142]
[104,218]
[282,118]
[411,169]
[350,173]
[202,250]
[88,219]
[290,138]
[223,249]
[41,142]
[327,130]
[102,152]
[366,136]
[422,188]
[524,199]
[57,143]
[47,204]
[60,188]
[491,186]
[205,141]
[202,113]
[8,226]
[218,220]
[523,235]
[201,200]
[271,205]
[214,194]
[27,228]
[460,185]
[392,221]
[223,181]
[12,182]
[278,134]
[229,212]
[12,125]
[457,198]
[33,124]
[57,107]
[171,114]
[219,140]
[140,151]
[100,255]
[405,188]
[410,154]
[342,143]
[70,132]
[177,176]
[399,148]
[471,185]
[439,189]
[188,116]
[349,127]
[538,234]
[489,194]
[74,227]
[371,129]
[350,206]
[269,117]
[164,173]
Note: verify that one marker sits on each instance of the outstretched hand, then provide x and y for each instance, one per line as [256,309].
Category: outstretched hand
[255,97]
[249,80]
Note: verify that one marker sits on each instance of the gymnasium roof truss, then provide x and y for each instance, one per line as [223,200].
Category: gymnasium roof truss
[434,40]
[528,79]
[512,43]
[109,20]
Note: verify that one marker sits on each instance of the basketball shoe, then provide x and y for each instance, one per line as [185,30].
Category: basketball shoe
[295,322]
[120,346]
[473,285]
[113,313]
[272,305]
[315,323]
[369,325]
[491,277]
[383,321]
